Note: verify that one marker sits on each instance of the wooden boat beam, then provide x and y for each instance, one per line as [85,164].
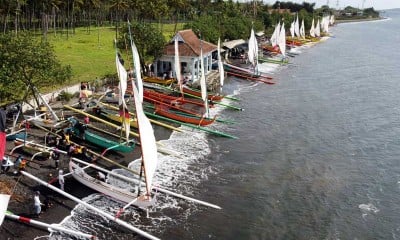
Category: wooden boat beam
[19,146]
[34,155]
[99,211]
[151,120]
[49,227]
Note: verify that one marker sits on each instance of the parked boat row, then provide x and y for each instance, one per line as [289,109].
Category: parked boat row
[135,108]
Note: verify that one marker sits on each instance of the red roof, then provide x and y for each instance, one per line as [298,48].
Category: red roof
[190,45]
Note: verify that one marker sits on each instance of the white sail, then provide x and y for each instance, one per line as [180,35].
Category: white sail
[220,65]
[275,35]
[297,26]
[123,81]
[292,29]
[312,29]
[147,143]
[253,49]
[203,84]
[317,29]
[302,30]
[138,74]
[123,84]
[326,24]
[273,38]
[282,40]
[178,67]
[3,206]
[332,20]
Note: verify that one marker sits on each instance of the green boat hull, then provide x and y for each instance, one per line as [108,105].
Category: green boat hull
[106,143]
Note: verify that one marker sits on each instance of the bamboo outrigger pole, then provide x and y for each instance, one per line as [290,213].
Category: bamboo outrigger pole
[49,227]
[215,132]
[260,79]
[96,154]
[151,120]
[99,211]
[214,102]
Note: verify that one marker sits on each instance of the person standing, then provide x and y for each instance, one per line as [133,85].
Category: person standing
[61,180]
[37,204]
[55,155]
[2,133]
[86,120]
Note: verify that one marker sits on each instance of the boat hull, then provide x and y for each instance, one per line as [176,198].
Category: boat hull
[33,150]
[117,118]
[164,111]
[106,143]
[158,80]
[112,191]
[79,131]
[211,97]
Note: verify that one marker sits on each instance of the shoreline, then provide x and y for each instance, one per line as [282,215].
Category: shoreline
[340,21]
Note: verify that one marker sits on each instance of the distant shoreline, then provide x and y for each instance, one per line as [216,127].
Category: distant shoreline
[358,20]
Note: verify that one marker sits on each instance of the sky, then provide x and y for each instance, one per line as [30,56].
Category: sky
[376,4]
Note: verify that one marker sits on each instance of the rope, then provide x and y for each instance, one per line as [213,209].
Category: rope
[15,186]
[40,237]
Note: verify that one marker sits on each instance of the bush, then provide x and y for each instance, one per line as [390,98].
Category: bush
[65,96]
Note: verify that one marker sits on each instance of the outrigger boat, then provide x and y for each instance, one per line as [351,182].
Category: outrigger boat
[49,118]
[246,73]
[158,80]
[21,134]
[99,110]
[78,130]
[32,149]
[166,112]
[102,186]
[15,132]
[153,96]
[211,97]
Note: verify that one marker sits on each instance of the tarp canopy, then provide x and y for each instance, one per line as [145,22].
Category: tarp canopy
[260,34]
[233,43]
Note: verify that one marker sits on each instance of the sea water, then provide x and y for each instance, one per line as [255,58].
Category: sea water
[317,156]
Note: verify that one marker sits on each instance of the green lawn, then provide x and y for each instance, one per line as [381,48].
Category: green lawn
[92,55]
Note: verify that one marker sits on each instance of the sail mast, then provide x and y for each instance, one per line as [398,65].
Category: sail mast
[147,143]
[203,84]
[123,84]
[220,66]
[178,66]
[146,132]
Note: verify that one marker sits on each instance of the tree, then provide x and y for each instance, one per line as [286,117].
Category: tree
[370,12]
[27,62]
[149,41]
[119,7]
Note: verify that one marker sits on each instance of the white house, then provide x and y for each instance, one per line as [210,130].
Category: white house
[189,56]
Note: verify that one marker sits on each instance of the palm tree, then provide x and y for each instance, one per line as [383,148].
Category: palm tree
[89,5]
[119,6]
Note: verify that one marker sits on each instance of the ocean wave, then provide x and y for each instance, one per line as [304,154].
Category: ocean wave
[368,208]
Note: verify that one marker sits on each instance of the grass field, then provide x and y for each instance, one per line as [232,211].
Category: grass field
[91,55]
